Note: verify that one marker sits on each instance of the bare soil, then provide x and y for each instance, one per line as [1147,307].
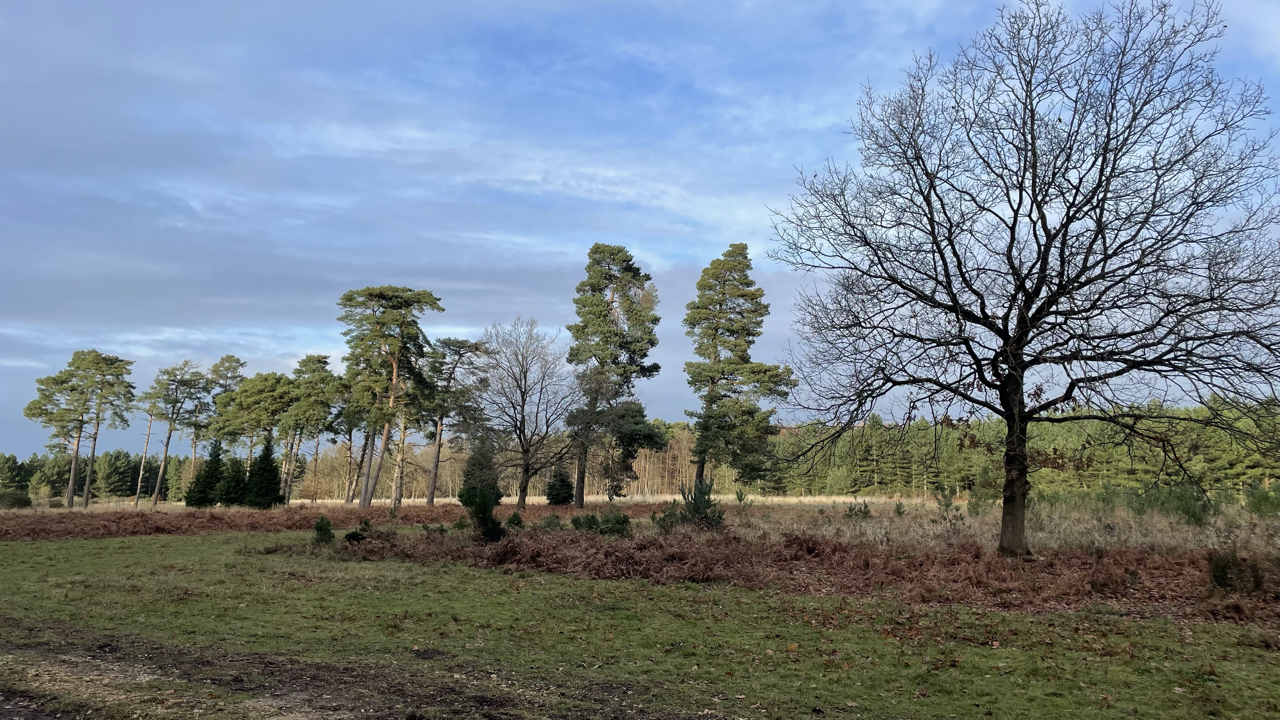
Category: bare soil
[88,675]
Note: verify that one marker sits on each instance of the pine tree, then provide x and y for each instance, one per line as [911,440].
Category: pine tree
[724,321]
[560,489]
[204,489]
[616,330]
[480,493]
[233,487]
[12,475]
[263,487]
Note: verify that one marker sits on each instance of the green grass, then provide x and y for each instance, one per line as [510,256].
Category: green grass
[735,652]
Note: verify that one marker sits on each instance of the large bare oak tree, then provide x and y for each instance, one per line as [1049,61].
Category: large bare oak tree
[1074,216]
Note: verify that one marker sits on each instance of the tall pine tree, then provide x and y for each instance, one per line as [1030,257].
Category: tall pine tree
[724,321]
[616,330]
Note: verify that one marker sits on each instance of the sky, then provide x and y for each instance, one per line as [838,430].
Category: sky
[182,180]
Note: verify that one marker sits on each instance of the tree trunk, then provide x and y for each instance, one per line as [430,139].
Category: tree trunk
[700,469]
[397,485]
[354,484]
[93,457]
[142,467]
[435,459]
[526,474]
[315,470]
[164,463]
[580,484]
[194,443]
[70,499]
[1013,518]
[371,487]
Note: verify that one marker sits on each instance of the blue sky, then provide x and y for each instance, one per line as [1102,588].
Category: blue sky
[187,179]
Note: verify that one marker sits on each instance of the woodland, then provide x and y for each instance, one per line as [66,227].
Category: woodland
[1023,458]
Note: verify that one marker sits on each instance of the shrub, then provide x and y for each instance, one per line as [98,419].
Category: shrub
[588,522]
[480,493]
[324,531]
[551,522]
[11,499]
[365,526]
[515,521]
[1185,501]
[899,509]
[669,519]
[1230,572]
[615,523]
[560,489]
[461,524]
[355,536]
[438,529]
[1261,501]
[700,508]
[858,512]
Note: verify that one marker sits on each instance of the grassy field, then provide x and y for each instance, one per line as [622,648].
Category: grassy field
[212,626]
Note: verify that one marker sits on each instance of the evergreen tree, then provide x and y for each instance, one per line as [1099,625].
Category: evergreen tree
[204,488]
[263,486]
[62,406]
[724,321]
[385,345]
[233,486]
[12,474]
[115,473]
[560,489]
[174,397]
[480,492]
[453,368]
[616,330]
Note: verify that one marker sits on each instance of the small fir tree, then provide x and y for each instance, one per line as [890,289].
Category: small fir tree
[264,479]
[204,489]
[480,493]
[560,489]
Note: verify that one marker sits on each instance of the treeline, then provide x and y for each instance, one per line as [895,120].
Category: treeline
[922,457]
[403,405]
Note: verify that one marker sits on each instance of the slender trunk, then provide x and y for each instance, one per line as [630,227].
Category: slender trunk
[93,457]
[142,469]
[286,467]
[70,499]
[295,443]
[371,488]
[580,485]
[367,481]
[526,474]
[164,462]
[354,484]
[248,460]
[315,470]
[435,459]
[397,486]
[1013,517]
[700,469]
[194,442]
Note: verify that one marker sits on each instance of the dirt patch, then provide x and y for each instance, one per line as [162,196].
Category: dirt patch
[123,675]
[20,706]
[1142,583]
[71,525]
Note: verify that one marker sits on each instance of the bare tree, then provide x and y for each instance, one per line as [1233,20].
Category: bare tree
[1074,217]
[529,394]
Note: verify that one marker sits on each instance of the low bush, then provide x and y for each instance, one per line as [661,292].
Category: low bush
[551,522]
[1233,573]
[859,511]
[515,521]
[588,522]
[615,523]
[13,499]
[324,531]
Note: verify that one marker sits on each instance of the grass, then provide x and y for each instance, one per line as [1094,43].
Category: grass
[657,649]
